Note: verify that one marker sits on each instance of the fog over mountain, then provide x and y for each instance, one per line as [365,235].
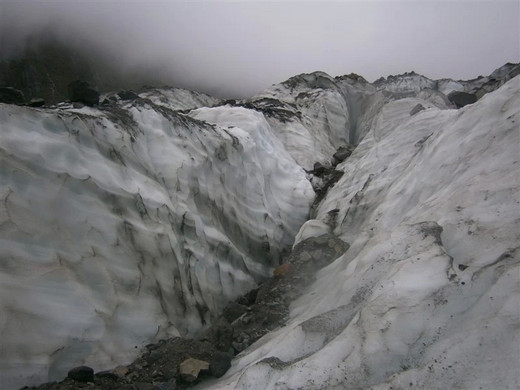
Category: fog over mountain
[236,49]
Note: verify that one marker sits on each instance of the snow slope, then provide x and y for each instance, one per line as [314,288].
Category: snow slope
[428,294]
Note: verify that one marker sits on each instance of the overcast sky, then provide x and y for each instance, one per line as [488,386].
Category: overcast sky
[237,48]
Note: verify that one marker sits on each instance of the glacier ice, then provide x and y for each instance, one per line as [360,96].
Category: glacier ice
[132,223]
[140,220]
[427,295]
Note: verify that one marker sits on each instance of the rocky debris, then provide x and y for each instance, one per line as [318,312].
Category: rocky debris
[271,306]
[120,370]
[159,367]
[127,95]
[191,368]
[82,92]
[282,111]
[249,298]
[165,386]
[461,99]
[36,102]
[11,95]
[418,108]
[220,364]
[282,269]
[314,253]
[107,374]
[319,169]
[342,154]
[274,362]
[81,374]
[162,362]
[220,334]
[233,311]
[322,179]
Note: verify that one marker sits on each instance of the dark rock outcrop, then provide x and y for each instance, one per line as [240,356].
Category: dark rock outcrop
[461,99]
[342,154]
[220,363]
[273,108]
[323,178]
[233,310]
[319,169]
[11,95]
[81,374]
[127,95]
[82,92]
[418,108]
[36,102]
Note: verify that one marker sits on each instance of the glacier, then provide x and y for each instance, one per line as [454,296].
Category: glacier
[139,220]
[427,296]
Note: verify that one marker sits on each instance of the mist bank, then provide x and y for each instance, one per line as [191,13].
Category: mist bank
[235,50]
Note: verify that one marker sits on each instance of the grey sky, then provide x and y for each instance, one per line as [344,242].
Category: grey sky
[239,48]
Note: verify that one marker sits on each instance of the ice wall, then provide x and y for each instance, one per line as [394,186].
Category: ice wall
[132,222]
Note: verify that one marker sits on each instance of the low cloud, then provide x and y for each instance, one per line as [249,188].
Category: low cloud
[236,49]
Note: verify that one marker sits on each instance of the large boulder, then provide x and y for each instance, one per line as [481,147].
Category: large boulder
[190,369]
[11,95]
[342,154]
[36,102]
[82,92]
[220,364]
